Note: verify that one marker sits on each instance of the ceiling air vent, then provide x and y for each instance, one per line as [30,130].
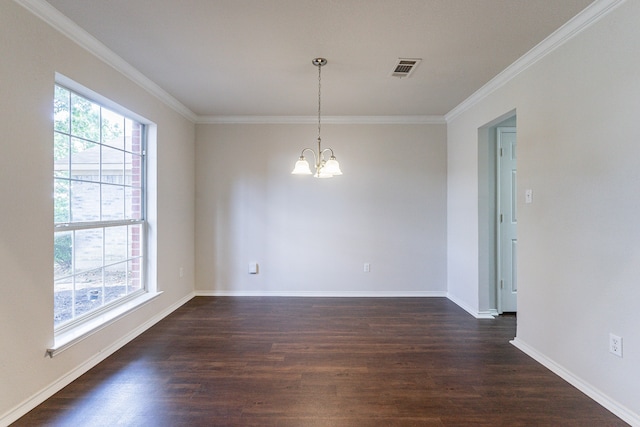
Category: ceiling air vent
[405,66]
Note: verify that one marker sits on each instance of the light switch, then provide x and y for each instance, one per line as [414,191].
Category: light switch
[528,196]
[253,268]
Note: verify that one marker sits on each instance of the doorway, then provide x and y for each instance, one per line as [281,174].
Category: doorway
[497,241]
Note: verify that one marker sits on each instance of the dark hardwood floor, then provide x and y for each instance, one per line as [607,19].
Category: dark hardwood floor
[321,362]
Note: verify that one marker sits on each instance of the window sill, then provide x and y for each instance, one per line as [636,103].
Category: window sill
[67,339]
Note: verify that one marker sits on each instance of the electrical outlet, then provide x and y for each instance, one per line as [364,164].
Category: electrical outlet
[181,272]
[615,345]
[367,267]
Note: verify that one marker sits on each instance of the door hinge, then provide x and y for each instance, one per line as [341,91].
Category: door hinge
[501,152]
[501,218]
[501,284]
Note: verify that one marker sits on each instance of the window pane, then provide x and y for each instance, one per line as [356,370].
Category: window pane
[133,169]
[133,136]
[62,254]
[61,200]
[112,165]
[112,129]
[61,155]
[88,295]
[133,203]
[61,110]
[128,168]
[115,244]
[134,275]
[62,300]
[85,201]
[115,282]
[135,241]
[85,118]
[85,160]
[88,246]
[113,199]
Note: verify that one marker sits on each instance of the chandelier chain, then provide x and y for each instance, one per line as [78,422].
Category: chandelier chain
[319,98]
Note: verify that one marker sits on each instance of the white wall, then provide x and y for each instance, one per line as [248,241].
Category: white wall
[415,220]
[32,52]
[312,236]
[579,256]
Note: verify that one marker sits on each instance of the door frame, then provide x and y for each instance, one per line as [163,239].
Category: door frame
[486,162]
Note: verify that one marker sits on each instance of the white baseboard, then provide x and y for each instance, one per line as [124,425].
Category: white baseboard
[614,407]
[475,313]
[490,314]
[21,409]
[325,294]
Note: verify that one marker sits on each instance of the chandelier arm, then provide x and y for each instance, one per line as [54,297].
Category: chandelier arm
[315,157]
[327,149]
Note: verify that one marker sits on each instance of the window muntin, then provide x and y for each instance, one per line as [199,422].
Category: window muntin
[99,233]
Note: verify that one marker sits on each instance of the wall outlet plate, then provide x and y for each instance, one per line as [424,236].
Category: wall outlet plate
[615,345]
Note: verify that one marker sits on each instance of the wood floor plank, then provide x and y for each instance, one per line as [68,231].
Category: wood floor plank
[259,361]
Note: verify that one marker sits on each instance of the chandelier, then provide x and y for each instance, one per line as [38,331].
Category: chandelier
[324,168]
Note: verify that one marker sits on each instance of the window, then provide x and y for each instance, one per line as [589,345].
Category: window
[99,209]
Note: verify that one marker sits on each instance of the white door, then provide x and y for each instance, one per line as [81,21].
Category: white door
[507,220]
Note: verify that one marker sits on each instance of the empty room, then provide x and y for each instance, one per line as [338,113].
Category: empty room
[320,212]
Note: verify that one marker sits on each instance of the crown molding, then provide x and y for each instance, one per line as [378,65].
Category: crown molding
[392,120]
[574,26]
[67,27]
[70,29]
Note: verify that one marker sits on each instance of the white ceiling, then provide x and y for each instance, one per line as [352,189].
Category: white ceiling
[253,57]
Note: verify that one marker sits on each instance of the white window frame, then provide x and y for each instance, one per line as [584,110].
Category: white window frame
[75,330]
